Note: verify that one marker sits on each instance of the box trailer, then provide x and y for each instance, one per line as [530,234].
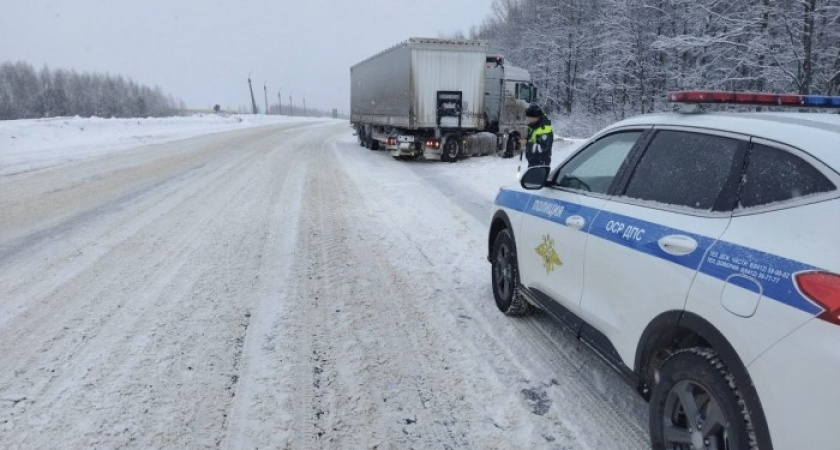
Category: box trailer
[440,99]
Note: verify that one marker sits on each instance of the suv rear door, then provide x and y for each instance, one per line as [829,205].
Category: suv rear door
[649,240]
[747,285]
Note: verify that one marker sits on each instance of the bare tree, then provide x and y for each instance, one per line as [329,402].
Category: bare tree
[600,59]
[27,93]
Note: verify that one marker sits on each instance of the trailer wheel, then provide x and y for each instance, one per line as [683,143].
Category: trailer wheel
[450,151]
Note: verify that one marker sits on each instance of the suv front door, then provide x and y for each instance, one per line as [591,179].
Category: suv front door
[555,226]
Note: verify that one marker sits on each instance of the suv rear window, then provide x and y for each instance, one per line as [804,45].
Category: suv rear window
[774,175]
[684,169]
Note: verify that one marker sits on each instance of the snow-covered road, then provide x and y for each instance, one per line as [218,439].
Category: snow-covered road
[278,287]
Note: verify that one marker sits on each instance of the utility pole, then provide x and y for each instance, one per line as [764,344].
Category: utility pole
[253,101]
[304,106]
[279,104]
[265,90]
[291,106]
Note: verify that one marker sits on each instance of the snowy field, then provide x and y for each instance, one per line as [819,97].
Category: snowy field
[34,144]
[278,287]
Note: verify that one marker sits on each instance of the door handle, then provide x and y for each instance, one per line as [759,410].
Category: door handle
[678,245]
[576,222]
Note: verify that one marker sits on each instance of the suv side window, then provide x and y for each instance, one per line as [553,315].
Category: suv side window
[685,169]
[595,168]
[774,175]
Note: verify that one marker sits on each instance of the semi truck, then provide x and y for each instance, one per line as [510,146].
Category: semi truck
[440,100]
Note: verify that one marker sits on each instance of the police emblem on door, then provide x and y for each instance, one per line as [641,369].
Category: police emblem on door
[549,257]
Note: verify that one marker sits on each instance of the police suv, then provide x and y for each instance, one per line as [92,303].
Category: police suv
[697,253]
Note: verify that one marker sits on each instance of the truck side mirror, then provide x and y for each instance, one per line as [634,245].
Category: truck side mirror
[533,94]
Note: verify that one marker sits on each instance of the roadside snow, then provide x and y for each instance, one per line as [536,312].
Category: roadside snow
[27,145]
[474,182]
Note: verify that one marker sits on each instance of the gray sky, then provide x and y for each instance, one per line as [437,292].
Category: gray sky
[203,50]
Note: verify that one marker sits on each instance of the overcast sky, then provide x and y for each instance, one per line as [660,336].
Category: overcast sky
[202,50]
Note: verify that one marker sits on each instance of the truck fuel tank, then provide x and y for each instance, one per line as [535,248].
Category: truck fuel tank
[480,144]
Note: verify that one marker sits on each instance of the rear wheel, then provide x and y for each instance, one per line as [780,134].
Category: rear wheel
[450,151]
[695,404]
[374,144]
[505,276]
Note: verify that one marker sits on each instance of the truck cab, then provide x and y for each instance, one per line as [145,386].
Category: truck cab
[508,92]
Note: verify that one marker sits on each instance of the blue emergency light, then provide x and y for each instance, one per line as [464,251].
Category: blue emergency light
[754,98]
[820,101]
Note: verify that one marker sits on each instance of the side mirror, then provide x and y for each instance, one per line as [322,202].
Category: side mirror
[535,178]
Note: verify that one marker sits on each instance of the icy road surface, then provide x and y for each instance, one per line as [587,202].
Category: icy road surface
[278,287]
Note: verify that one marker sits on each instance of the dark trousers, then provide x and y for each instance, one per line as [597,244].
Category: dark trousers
[538,159]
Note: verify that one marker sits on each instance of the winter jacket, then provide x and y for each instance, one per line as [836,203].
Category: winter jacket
[540,141]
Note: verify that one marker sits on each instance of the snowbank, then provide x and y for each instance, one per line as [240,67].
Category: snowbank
[484,175]
[27,145]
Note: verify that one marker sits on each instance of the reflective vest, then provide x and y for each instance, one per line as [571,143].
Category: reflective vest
[541,131]
[540,139]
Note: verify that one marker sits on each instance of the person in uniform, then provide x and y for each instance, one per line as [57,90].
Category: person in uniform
[540,137]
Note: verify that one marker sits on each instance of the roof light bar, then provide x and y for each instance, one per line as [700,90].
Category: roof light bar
[754,98]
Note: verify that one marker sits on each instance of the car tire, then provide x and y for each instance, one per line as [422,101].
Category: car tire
[374,144]
[505,276]
[695,383]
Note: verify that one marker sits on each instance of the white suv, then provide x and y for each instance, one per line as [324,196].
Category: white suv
[697,254]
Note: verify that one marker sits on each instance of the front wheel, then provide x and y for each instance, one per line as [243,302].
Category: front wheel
[695,404]
[511,146]
[505,276]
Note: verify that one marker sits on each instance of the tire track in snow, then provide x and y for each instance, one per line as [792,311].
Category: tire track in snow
[372,375]
[150,321]
[255,420]
[531,357]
